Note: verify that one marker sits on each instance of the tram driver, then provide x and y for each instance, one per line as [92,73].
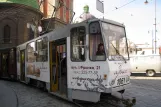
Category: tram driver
[100,50]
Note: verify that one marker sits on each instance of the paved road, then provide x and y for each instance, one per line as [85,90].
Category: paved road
[33,97]
[147,91]
[8,97]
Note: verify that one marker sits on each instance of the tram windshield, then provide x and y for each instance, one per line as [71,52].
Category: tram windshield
[115,39]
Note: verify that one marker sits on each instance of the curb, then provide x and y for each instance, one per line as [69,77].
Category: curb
[146,78]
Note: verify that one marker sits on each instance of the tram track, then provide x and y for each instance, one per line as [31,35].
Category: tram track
[110,101]
[106,100]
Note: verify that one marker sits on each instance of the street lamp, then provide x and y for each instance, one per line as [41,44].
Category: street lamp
[146,2]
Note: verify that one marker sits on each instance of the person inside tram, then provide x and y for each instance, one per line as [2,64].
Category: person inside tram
[100,50]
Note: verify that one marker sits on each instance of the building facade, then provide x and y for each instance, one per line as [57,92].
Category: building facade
[64,10]
[146,49]
[18,19]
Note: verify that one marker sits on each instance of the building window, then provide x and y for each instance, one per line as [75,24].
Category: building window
[7,32]
[12,58]
[18,55]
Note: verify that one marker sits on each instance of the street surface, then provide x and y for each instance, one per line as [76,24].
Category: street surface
[32,97]
[147,91]
[8,97]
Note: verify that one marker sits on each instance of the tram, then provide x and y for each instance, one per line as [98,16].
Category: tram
[79,61]
[8,63]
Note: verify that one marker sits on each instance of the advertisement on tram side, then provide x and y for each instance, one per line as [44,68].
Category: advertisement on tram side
[39,71]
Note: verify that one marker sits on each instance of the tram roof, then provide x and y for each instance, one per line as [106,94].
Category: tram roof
[103,20]
[62,32]
[7,48]
[112,22]
[57,33]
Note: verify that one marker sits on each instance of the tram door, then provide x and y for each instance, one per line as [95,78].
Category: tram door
[0,65]
[12,63]
[58,66]
[4,64]
[22,65]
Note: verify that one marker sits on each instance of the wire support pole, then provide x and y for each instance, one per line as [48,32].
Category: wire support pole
[155,29]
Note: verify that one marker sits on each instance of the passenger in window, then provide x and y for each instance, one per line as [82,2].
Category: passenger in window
[100,50]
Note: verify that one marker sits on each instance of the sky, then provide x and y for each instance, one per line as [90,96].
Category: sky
[137,17]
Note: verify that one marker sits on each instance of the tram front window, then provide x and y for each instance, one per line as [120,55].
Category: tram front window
[115,41]
[97,50]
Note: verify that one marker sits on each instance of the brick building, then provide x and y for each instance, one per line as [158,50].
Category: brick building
[16,17]
[20,19]
[62,15]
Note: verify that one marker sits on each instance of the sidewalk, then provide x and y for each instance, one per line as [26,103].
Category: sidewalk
[7,96]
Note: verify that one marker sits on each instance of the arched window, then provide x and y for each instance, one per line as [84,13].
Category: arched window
[7,33]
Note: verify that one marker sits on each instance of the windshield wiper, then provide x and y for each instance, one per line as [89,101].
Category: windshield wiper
[119,53]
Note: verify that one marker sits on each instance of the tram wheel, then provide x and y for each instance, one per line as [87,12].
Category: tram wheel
[150,73]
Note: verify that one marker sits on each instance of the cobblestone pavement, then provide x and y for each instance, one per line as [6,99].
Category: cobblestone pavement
[147,91]
[33,97]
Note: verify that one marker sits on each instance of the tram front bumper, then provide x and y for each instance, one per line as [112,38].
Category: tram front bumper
[120,88]
[117,88]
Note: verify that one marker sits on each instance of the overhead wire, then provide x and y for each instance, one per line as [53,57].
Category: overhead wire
[117,8]
[21,6]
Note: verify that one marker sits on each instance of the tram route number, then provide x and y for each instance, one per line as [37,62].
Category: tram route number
[123,80]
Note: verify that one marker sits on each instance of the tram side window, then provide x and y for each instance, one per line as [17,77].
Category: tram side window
[97,49]
[0,61]
[18,55]
[42,50]
[12,58]
[78,36]
[30,52]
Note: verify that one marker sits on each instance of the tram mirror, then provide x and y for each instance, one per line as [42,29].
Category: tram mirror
[94,28]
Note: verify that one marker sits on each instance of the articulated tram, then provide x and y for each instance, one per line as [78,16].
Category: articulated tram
[80,61]
[8,63]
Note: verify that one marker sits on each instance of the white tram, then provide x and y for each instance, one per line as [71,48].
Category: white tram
[66,62]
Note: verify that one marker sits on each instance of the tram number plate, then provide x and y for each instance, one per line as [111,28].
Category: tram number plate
[123,80]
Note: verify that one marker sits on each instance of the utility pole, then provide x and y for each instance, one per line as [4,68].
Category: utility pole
[152,43]
[155,47]
[155,29]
